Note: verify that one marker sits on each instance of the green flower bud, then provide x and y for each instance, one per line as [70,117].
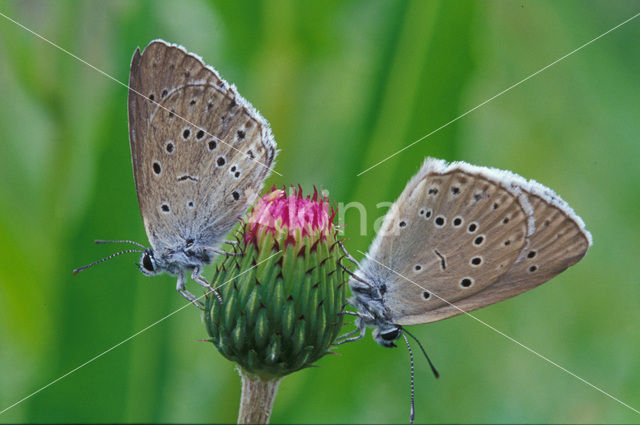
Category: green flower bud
[284,291]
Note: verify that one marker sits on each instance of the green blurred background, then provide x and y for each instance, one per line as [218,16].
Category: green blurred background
[344,84]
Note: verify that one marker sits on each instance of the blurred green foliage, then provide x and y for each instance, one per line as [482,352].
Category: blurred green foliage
[344,84]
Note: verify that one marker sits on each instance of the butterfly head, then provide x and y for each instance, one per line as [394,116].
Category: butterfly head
[385,334]
[148,264]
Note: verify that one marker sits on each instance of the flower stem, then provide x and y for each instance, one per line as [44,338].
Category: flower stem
[257,398]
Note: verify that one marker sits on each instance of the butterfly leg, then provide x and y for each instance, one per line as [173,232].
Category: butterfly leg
[200,280]
[352,274]
[347,255]
[182,290]
[362,329]
[355,331]
[228,254]
[347,335]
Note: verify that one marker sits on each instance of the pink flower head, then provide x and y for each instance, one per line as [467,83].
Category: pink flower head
[298,217]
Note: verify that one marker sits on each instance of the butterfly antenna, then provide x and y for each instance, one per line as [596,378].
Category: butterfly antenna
[126,251]
[121,241]
[433,369]
[412,413]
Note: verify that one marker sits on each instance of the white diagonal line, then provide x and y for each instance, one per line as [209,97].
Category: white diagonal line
[500,94]
[135,91]
[128,339]
[506,336]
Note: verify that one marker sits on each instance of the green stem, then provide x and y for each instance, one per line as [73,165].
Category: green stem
[257,399]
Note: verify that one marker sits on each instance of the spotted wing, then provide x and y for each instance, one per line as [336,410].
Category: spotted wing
[558,242]
[200,151]
[458,239]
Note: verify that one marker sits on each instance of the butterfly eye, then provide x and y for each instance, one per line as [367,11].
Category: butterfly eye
[391,335]
[147,263]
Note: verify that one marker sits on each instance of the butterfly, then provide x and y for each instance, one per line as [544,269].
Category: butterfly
[200,156]
[459,237]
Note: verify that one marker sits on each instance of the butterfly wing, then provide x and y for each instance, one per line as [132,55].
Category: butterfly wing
[461,235]
[558,242]
[200,151]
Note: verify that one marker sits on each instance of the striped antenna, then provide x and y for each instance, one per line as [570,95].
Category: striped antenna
[412,411]
[121,241]
[126,251]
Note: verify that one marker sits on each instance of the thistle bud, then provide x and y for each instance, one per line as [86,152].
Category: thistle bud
[284,291]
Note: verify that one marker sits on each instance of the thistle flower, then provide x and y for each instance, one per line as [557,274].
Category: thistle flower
[284,291]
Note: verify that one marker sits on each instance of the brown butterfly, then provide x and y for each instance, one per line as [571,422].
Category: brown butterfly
[200,155]
[461,237]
